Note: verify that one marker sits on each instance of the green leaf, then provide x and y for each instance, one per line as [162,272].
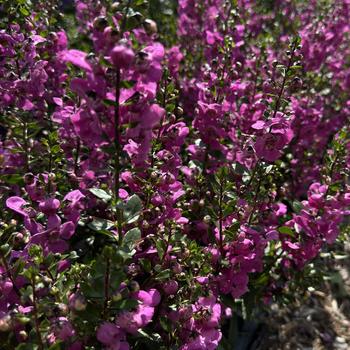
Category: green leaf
[99,224]
[163,275]
[170,107]
[109,103]
[132,209]
[12,179]
[286,231]
[262,280]
[161,246]
[297,206]
[295,67]
[57,346]
[125,304]
[131,237]
[56,149]
[27,346]
[165,323]
[99,193]
[146,264]
[24,11]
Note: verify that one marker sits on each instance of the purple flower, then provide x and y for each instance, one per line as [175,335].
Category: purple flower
[76,57]
[206,340]
[170,287]
[131,321]
[110,335]
[277,134]
[122,57]
[210,310]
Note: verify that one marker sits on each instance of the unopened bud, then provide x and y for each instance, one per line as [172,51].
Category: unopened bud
[134,286]
[77,302]
[117,297]
[122,56]
[115,6]
[23,335]
[150,26]
[5,323]
[28,179]
[100,23]
[207,219]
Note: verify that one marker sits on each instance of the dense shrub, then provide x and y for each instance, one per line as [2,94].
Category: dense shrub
[158,180]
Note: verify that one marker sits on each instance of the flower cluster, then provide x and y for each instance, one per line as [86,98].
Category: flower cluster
[150,186]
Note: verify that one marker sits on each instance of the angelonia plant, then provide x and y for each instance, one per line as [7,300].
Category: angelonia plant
[166,166]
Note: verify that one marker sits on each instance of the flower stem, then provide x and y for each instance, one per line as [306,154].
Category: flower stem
[25,146]
[76,158]
[117,137]
[9,274]
[36,318]
[106,289]
[255,203]
[280,94]
[220,219]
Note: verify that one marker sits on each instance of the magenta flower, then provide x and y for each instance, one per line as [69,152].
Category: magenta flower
[206,340]
[211,311]
[61,329]
[170,287]
[131,321]
[122,56]
[269,147]
[110,335]
[17,205]
[277,134]
[76,57]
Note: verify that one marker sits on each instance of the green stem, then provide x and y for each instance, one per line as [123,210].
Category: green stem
[280,94]
[106,290]
[76,158]
[255,203]
[36,317]
[220,219]
[117,156]
[9,275]
[25,146]
[117,137]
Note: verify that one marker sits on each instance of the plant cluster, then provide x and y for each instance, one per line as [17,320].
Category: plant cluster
[157,180]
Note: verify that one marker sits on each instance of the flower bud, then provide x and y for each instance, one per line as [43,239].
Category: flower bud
[154,175]
[23,335]
[179,110]
[52,177]
[170,287]
[115,6]
[18,238]
[28,179]
[134,286]
[176,268]
[5,323]
[150,26]
[142,61]
[207,219]
[117,297]
[7,287]
[145,224]
[47,281]
[100,23]
[122,57]
[63,308]
[77,302]
[125,293]
[4,248]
